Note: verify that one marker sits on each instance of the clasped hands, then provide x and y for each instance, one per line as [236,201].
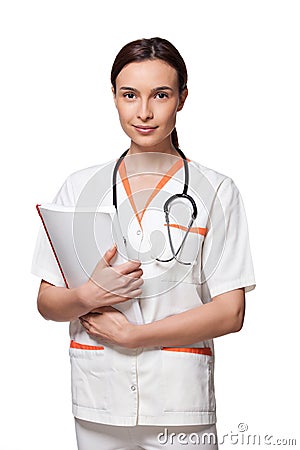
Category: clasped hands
[107,286]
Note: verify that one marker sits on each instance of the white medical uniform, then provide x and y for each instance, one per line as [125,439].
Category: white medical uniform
[157,385]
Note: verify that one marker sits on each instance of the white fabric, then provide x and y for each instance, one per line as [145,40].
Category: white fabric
[95,436]
[151,386]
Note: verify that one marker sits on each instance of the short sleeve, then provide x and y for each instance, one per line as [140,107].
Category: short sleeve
[226,255]
[44,264]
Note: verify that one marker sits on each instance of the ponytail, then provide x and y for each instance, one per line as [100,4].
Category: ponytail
[174,138]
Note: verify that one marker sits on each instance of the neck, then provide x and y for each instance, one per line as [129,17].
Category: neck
[156,158]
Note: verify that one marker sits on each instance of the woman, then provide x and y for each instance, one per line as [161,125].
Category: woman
[151,386]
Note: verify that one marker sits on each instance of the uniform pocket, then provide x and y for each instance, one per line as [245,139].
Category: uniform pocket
[88,376]
[187,379]
[190,253]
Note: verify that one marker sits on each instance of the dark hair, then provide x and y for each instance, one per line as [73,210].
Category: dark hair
[153,48]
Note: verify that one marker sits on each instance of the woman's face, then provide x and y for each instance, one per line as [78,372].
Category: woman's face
[147,99]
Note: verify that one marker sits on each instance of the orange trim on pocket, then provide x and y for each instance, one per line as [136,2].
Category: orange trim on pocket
[74,344]
[197,230]
[200,351]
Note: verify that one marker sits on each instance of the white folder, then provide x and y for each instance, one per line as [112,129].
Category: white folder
[79,237]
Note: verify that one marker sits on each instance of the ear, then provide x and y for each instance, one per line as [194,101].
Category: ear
[114,95]
[182,99]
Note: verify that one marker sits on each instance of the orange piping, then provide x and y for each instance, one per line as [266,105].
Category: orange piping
[74,344]
[197,230]
[201,351]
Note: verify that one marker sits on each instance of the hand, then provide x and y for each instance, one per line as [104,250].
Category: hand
[108,325]
[110,285]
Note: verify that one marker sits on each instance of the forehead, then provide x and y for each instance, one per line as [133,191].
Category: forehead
[147,74]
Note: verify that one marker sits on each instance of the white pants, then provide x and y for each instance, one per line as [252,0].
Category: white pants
[98,436]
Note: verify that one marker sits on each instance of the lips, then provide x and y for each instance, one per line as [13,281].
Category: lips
[144,129]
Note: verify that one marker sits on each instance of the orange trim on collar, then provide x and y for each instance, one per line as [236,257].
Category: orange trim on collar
[124,177]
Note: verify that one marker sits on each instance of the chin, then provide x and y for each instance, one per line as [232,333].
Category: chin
[148,141]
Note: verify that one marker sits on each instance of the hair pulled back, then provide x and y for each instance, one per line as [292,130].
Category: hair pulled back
[153,48]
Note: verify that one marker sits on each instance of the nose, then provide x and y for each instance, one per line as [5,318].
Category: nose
[144,111]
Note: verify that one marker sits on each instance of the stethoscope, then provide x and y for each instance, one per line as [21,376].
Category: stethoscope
[167,205]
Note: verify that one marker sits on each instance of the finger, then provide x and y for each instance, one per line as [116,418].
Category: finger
[85,324]
[134,293]
[127,279]
[109,254]
[84,318]
[88,326]
[130,295]
[128,267]
[132,284]
[87,319]
[136,274]
[136,283]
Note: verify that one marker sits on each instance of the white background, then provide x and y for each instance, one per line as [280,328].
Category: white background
[241,118]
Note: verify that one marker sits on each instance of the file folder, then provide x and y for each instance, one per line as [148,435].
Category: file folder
[79,237]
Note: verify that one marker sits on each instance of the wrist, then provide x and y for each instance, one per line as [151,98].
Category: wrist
[84,296]
[132,335]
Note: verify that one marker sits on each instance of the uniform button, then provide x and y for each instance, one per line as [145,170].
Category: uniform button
[133,388]
[138,232]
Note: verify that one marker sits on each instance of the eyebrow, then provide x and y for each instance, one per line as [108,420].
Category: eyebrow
[159,88]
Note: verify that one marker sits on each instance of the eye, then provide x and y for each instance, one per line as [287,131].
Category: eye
[162,95]
[129,95]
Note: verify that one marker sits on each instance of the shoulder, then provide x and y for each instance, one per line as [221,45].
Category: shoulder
[91,179]
[98,177]
[216,180]
[215,177]
[214,188]
[82,176]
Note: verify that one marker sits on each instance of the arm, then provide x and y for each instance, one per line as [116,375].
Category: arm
[107,286]
[60,304]
[223,315]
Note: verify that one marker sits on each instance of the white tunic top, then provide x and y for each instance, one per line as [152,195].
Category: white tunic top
[157,385]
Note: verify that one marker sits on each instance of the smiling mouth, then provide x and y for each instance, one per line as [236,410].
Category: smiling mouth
[144,128]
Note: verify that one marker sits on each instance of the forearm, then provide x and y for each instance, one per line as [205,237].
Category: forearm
[61,304]
[208,321]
